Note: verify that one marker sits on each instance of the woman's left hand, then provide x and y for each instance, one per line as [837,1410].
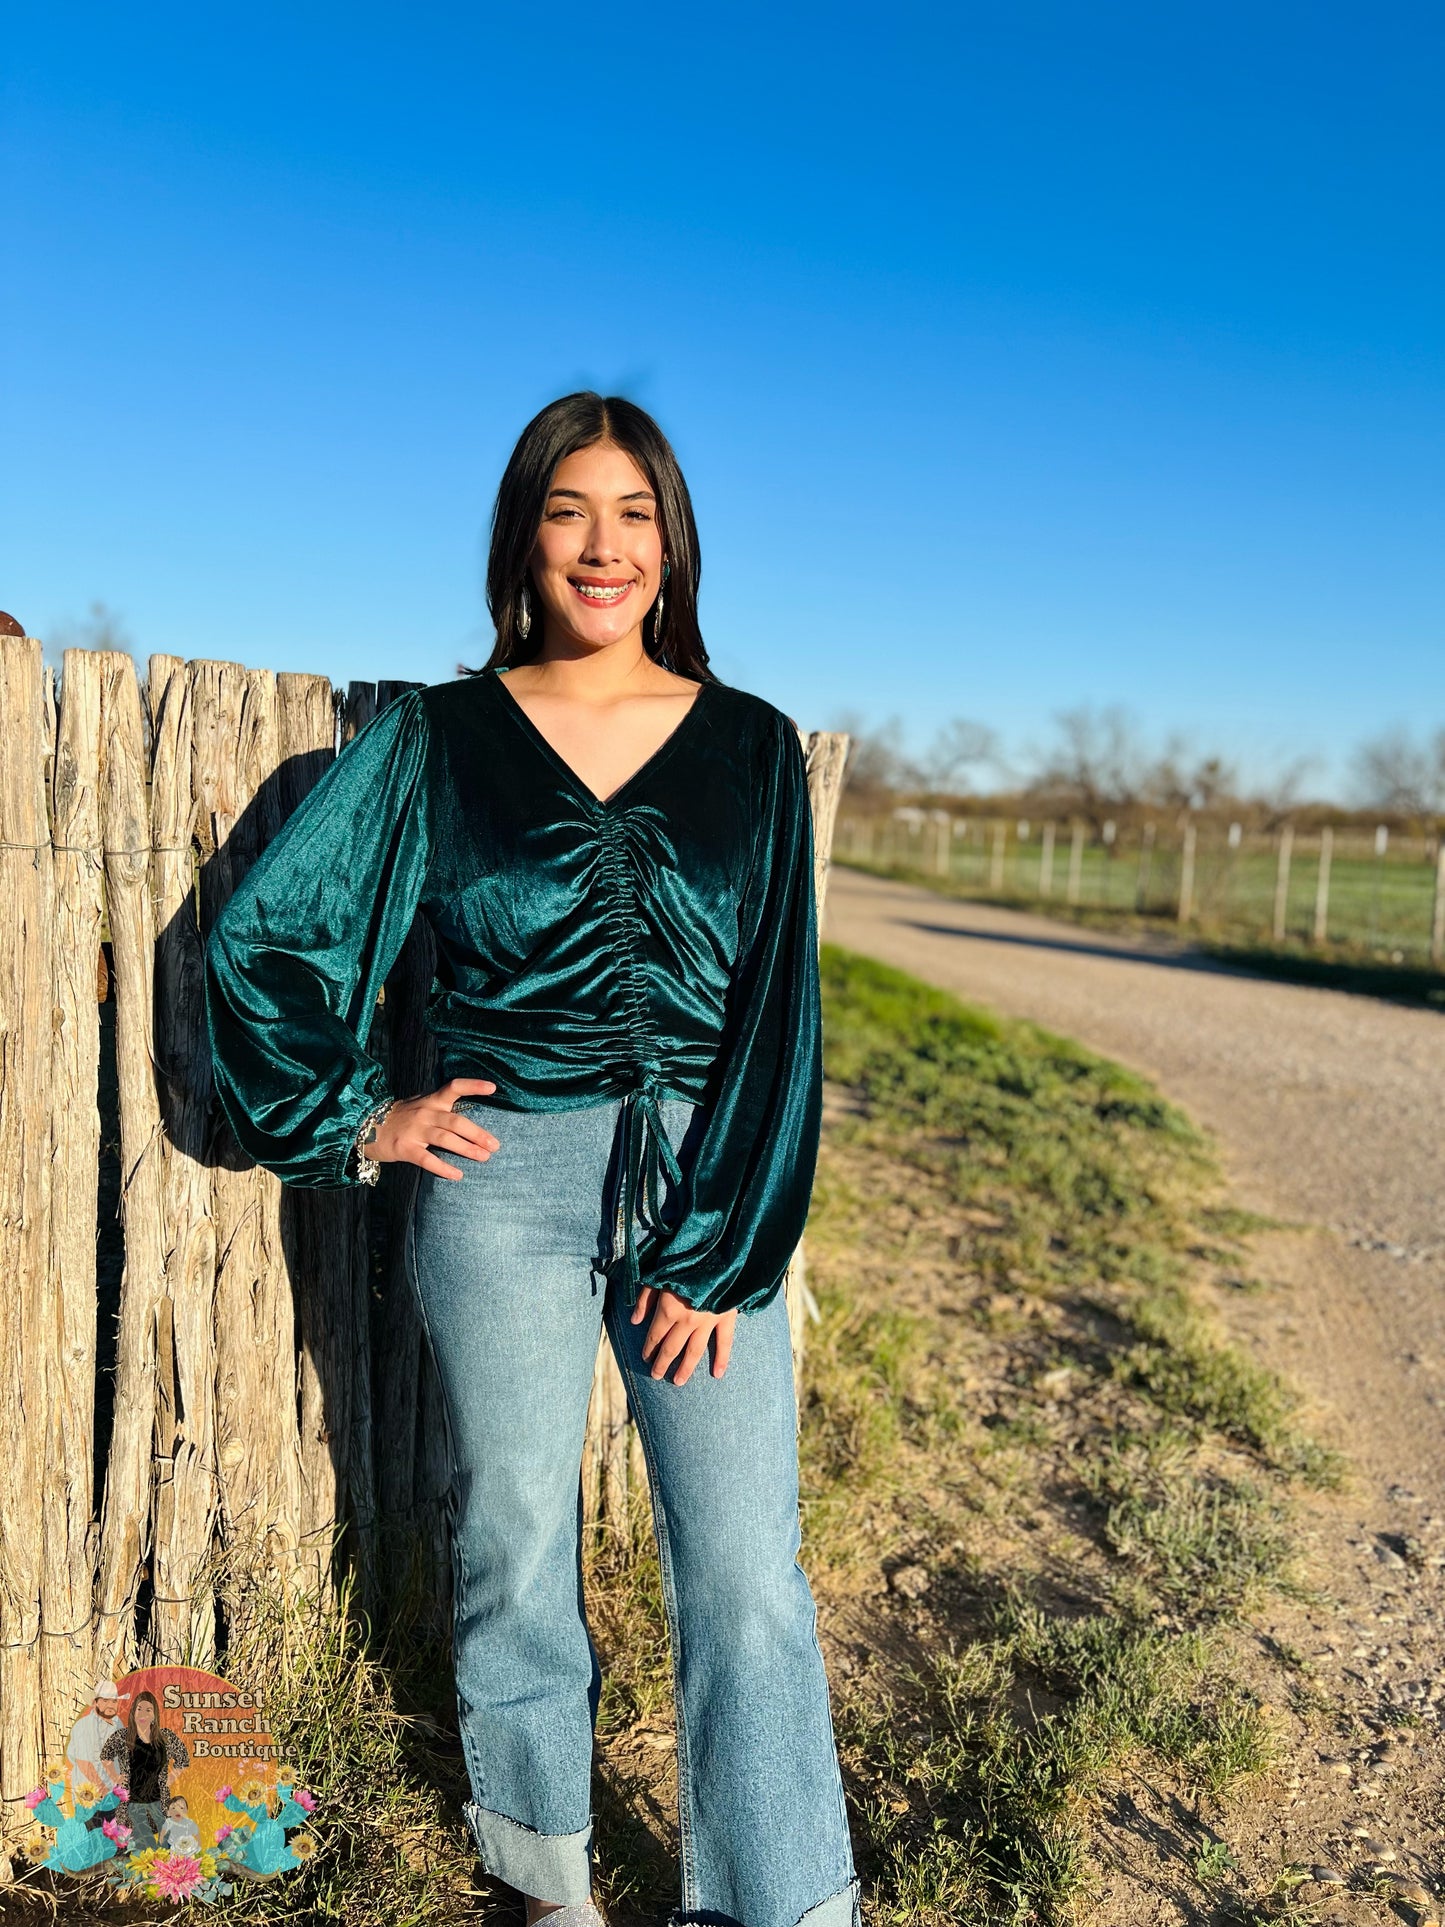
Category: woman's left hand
[679,1332]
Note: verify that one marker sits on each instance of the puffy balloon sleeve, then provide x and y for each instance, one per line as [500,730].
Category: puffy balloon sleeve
[748,1187]
[297,955]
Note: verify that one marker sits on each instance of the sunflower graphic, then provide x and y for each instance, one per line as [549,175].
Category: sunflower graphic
[86,1793]
[255,1793]
[303,1845]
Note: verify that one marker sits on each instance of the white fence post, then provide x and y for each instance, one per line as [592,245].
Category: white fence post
[1046,862]
[943,852]
[1186,875]
[1322,886]
[995,871]
[1437,923]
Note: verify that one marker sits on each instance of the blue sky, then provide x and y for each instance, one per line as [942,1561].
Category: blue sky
[1018,355]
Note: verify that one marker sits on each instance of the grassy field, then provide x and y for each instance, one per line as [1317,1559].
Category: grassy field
[1380,907]
[1040,1497]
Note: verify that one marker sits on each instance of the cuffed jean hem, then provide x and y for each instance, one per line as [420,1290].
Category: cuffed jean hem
[547,1866]
[839,1910]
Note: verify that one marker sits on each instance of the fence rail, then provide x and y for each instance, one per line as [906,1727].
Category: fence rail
[1372,890]
[223,1365]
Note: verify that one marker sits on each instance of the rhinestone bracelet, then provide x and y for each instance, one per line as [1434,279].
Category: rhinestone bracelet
[368,1170]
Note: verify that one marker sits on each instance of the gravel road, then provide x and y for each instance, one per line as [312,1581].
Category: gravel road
[1329,1111]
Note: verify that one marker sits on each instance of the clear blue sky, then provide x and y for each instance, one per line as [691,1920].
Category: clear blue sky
[1018,355]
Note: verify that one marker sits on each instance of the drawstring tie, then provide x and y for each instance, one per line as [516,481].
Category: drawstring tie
[647,1153]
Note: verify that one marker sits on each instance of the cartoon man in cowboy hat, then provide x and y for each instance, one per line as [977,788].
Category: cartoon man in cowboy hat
[90,1733]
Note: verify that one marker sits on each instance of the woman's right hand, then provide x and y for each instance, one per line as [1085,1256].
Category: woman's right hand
[414,1124]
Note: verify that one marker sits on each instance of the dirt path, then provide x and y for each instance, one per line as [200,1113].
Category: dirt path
[1330,1111]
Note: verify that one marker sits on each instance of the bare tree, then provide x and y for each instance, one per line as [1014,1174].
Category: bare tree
[959,748]
[1282,795]
[1098,764]
[1395,772]
[877,762]
[1180,779]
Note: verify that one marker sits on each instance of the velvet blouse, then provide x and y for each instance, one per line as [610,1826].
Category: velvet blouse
[660,943]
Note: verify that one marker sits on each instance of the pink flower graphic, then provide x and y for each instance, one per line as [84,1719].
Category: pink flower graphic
[223,1793]
[305,1799]
[223,1833]
[177,1878]
[33,1799]
[118,1831]
[122,1793]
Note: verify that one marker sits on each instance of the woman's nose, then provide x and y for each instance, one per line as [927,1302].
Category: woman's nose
[603,543]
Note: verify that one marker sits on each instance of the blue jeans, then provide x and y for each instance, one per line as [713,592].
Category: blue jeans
[505,1263]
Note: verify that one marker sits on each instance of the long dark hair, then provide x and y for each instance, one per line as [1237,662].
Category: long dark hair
[581,421]
[132,1732]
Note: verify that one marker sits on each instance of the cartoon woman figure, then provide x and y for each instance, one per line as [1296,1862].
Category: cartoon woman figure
[261,1849]
[78,1846]
[144,1754]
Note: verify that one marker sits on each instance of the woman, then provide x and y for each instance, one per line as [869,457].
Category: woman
[613,849]
[141,1756]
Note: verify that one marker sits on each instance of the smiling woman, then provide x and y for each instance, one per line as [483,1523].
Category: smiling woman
[613,850]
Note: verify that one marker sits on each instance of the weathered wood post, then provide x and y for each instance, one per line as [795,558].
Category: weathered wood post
[125,833]
[1437,919]
[67,1498]
[183,1628]
[26,910]
[235,752]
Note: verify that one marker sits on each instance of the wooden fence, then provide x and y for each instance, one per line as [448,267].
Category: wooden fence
[224,1368]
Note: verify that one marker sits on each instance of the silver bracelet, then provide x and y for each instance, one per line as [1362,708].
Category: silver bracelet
[367,1169]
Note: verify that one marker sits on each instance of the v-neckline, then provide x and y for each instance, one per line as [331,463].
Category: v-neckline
[565,768]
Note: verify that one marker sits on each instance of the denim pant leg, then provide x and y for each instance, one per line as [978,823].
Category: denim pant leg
[502,1261]
[764,1829]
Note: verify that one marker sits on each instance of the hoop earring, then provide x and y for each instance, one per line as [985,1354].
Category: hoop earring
[524,614]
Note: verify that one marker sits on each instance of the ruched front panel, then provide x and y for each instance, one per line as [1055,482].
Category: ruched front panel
[660,943]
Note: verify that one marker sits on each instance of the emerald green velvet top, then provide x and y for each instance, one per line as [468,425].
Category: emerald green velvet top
[663,942]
